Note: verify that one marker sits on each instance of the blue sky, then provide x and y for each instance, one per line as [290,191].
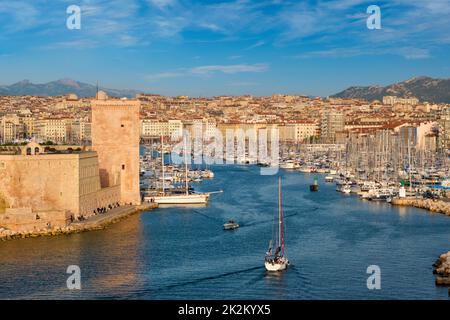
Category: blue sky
[205,48]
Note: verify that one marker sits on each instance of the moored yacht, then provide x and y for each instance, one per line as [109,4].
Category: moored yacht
[347,189]
[178,199]
[191,198]
[288,164]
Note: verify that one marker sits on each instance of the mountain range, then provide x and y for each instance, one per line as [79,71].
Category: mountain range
[59,88]
[423,88]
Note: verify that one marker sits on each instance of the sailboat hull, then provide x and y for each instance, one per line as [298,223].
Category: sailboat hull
[276,266]
[181,199]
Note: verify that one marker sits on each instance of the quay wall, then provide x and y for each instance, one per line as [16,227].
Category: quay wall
[438,206]
[98,222]
[101,198]
[24,220]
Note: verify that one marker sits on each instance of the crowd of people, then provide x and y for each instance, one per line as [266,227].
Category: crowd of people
[101,210]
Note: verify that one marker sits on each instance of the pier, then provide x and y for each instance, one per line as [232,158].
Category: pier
[439,206]
[98,222]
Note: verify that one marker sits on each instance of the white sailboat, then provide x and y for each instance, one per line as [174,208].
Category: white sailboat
[179,199]
[182,199]
[277,261]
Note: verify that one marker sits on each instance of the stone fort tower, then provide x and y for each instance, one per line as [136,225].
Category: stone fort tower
[115,137]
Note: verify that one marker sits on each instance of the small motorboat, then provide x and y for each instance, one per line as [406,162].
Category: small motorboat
[230,225]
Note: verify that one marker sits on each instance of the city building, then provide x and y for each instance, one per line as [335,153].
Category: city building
[392,100]
[299,131]
[152,128]
[332,121]
[28,123]
[201,127]
[10,128]
[55,130]
[80,132]
[444,131]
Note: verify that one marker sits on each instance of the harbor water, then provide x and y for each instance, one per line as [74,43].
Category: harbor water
[184,253]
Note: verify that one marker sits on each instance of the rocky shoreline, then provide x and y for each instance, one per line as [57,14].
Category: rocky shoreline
[437,206]
[442,270]
[95,223]
[442,265]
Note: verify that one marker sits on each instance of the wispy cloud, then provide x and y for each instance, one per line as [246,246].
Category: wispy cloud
[413,53]
[243,84]
[18,15]
[169,27]
[410,53]
[229,69]
[208,71]
[405,23]
[162,4]
[164,75]
[253,24]
[256,45]
[76,44]
[333,53]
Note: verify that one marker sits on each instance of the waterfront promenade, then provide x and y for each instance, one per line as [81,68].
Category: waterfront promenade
[97,222]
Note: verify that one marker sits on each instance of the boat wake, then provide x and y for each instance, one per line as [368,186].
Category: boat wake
[270,221]
[207,216]
[147,292]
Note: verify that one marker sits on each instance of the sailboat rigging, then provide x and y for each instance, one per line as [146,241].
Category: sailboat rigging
[179,199]
[277,261]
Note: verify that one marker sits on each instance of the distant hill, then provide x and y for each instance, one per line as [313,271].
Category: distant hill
[423,88]
[60,87]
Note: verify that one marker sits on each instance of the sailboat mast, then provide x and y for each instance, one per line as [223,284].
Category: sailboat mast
[185,166]
[162,165]
[409,163]
[280,216]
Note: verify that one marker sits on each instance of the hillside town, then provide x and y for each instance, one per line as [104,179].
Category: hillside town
[67,119]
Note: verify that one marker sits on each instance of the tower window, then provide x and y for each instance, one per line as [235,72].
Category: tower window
[123,167]
[122,125]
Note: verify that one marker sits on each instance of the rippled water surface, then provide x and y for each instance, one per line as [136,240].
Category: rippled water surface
[183,253]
